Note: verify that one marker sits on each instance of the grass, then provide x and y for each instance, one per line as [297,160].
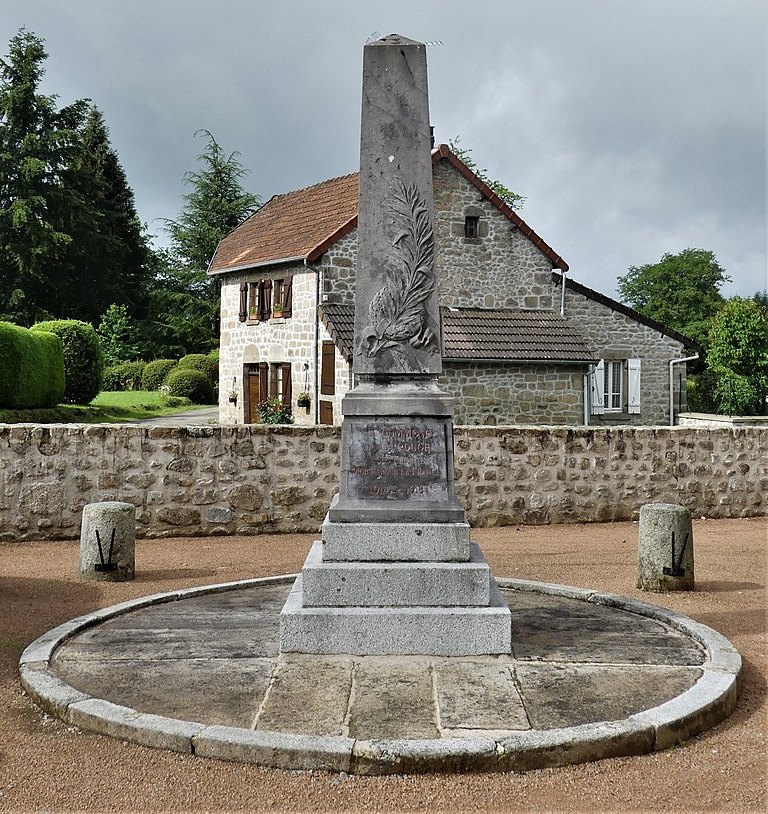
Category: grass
[109,407]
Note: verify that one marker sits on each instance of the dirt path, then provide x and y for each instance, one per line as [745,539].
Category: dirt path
[47,766]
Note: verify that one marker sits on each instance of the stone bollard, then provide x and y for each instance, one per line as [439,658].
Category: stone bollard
[108,542]
[665,548]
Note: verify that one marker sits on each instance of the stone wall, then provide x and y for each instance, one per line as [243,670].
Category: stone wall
[715,420]
[489,394]
[613,335]
[255,479]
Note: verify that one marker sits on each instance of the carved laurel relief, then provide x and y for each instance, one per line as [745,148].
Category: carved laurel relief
[398,319]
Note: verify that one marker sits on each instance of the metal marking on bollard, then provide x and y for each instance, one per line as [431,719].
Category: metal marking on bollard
[108,565]
[676,570]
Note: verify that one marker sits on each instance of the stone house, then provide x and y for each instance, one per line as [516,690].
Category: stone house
[516,348]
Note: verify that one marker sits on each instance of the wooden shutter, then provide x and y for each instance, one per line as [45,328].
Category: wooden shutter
[263,380]
[328,369]
[267,299]
[633,385]
[243,301]
[287,296]
[326,412]
[598,388]
[287,389]
[254,395]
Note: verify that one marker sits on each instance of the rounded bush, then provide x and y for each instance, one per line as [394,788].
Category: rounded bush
[31,368]
[125,376]
[83,359]
[156,372]
[205,364]
[191,384]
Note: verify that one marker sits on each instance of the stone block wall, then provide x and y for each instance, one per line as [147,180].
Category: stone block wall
[613,335]
[255,479]
[489,394]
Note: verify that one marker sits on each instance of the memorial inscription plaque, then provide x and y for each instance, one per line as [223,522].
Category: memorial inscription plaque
[398,459]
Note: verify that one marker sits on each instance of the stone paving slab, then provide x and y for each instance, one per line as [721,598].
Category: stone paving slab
[591,676]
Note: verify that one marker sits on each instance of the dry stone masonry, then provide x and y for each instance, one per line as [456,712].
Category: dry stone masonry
[256,479]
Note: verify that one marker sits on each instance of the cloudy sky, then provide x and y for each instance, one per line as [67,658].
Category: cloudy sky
[633,128]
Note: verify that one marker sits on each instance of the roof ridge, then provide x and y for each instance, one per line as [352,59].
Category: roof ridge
[313,186]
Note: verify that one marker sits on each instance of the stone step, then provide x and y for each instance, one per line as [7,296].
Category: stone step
[465,631]
[380,542]
[397,584]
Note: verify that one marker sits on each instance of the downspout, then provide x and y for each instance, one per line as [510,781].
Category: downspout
[672,384]
[315,343]
[587,395]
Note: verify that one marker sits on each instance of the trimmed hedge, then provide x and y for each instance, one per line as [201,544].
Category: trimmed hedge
[192,384]
[205,364]
[125,376]
[83,359]
[31,368]
[156,372]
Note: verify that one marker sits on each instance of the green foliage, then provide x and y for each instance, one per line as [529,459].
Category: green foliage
[125,376]
[31,368]
[681,291]
[738,357]
[464,154]
[119,335]
[273,411]
[156,372]
[184,301]
[83,359]
[192,384]
[700,392]
[204,363]
[37,141]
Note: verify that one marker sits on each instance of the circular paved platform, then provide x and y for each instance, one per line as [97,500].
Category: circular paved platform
[590,676]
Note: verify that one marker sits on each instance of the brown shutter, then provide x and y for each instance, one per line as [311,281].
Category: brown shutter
[267,299]
[287,388]
[243,301]
[263,380]
[326,412]
[254,396]
[328,370]
[287,296]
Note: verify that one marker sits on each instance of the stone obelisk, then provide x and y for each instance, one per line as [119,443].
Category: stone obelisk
[395,572]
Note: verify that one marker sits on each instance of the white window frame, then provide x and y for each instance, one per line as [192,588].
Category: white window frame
[613,395]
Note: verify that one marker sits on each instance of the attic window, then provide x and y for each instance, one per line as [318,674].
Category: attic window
[471,224]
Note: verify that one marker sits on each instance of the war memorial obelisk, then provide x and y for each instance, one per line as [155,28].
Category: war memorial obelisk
[395,571]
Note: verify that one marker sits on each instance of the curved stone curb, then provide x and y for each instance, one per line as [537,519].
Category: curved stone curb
[708,702]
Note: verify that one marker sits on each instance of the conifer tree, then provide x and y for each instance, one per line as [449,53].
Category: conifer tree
[36,143]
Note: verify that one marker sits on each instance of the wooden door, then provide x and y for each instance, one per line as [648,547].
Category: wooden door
[326,412]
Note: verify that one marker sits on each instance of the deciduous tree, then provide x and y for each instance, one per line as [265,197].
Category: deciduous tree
[682,291]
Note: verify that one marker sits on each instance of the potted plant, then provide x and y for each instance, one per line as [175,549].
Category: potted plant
[304,400]
[277,312]
[232,397]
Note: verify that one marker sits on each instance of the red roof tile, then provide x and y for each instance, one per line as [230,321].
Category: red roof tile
[302,225]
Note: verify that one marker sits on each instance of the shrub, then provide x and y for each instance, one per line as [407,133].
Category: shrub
[205,364]
[191,384]
[214,354]
[273,411]
[126,376]
[83,359]
[156,372]
[31,368]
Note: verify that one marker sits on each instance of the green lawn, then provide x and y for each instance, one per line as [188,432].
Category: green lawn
[111,407]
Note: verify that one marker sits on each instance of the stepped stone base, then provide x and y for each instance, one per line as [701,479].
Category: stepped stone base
[398,584]
[430,631]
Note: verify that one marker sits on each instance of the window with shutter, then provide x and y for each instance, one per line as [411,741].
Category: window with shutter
[287,296]
[328,369]
[286,395]
[613,386]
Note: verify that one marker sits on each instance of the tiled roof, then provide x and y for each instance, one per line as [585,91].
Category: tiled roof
[572,285]
[302,225]
[484,334]
[291,226]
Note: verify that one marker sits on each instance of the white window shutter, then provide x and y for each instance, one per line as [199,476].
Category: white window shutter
[633,385]
[598,388]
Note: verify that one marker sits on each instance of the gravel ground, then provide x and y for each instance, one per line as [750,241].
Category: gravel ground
[46,766]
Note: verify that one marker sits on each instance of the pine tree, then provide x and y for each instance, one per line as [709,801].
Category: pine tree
[185,301]
[36,144]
